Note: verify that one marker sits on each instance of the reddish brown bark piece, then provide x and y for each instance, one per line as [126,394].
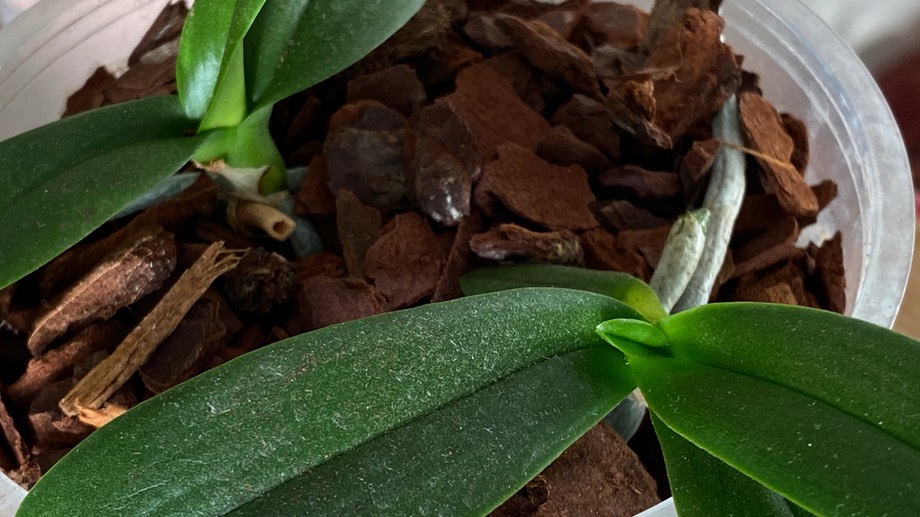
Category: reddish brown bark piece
[767,249]
[483,30]
[764,132]
[206,326]
[829,270]
[313,196]
[649,243]
[90,96]
[759,212]
[782,284]
[665,14]
[145,79]
[365,151]
[549,195]
[261,282]
[458,259]
[195,202]
[250,338]
[699,159]
[550,52]
[599,471]
[692,73]
[601,252]
[319,264]
[591,122]
[50,427]
[513,242]
[397,87]
[562,147]
[406,261]
[11,436]
[358,226]
[58,363]
[565,17]
[327,301]
[447,61]
[621,26]
[619,215]
[167,27]
[527,81]
[445,165]
[797,130]
[644,184]
[493,111]
[125,276]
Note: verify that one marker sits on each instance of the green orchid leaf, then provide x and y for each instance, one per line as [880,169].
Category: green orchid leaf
[857,367]
[62,181]
[467,457]
[285,409]
[624,287]
[298,43]
[209,69]
[817,456]
[703,485]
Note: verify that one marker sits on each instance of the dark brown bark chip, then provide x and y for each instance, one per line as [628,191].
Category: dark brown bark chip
[58,363]
[829,270]
[139,268]
[591,122]
[649,243]
[198,201]
[313,197]
[566,17]
[524,78]
[50,427]
[562,147]
[512,242]
[358,227]
[204,328]
[495,114]
[90,96]
[260,283]
[365,152]
[167,27]
[458,259]
[327,301]
[6,300]
[797,130]
[550,52]
[598,475]
[619,215]
[143,80]
[601,252]
[319,264]
[704,72]
[397,87]
[765,133]
[759,212]
[446,163]
[12,438]
[697,161]
[782,284]
[618,25]
[406,261]
[666,13]
[767,249]
[825,193]
[555,197]
[634,108]
[642,183]
[484,31]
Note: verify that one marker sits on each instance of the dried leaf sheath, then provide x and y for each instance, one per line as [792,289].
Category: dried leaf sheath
[94,389]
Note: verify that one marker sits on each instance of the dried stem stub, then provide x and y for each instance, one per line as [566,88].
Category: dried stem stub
[88,397]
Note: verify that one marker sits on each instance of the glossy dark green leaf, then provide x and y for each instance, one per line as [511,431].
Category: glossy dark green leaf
[284,409]
[61,181]
[624,287]
[297,43]
[817,456]
[210,63]
[702,485]
[467,457]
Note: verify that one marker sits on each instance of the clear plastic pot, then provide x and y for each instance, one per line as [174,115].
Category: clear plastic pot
[49,51]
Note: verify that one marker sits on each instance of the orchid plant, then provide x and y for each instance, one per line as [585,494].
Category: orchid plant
[447,408]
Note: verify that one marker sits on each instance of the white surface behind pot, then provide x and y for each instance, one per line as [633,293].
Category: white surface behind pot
[51,49]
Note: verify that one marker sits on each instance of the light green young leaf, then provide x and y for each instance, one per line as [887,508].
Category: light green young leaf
[624,287]
[852,365]
[817,456]
[703,485]
[295,44]
[209,69]
[468,457]
[61,181]
[280,411]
